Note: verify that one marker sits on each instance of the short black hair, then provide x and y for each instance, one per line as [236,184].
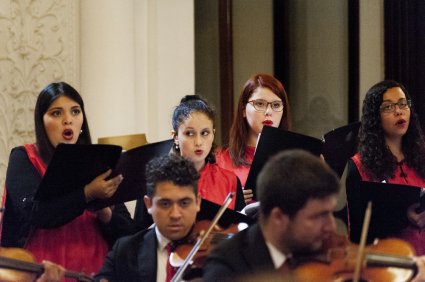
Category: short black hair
[290,178]
[174,168]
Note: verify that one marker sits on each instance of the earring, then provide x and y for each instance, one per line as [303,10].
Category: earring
[81,131]
[176,146]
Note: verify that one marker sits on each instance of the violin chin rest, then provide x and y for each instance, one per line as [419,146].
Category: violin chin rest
[176,260]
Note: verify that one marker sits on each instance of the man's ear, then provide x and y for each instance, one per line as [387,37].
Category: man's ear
[279,218]
[148,203]
[198,202]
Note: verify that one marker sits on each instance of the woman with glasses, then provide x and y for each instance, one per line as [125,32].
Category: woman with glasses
[263,101]
[391,150]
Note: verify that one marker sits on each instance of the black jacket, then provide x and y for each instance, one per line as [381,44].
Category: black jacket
[133,258]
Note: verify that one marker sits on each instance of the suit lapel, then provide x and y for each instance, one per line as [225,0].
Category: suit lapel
[256,252]
[147,258]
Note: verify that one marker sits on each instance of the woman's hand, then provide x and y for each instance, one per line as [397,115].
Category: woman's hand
[417,219]
[248,195]
[100,188]
[52,272]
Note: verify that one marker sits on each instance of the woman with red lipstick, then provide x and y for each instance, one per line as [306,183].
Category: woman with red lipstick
[61,231]
[193,134]
[263,101]
[392,150]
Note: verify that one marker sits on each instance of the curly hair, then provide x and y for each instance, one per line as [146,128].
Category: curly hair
[240,127]
[172,168]
[190,104]
[377,160]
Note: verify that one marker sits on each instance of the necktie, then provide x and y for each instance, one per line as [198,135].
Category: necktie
[285,270]
[170,269]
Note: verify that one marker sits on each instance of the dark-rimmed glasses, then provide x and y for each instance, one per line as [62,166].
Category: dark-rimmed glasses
[388,107]
[260,105]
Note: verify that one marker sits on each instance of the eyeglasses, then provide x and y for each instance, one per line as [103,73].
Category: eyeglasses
[388,107]
[261,105]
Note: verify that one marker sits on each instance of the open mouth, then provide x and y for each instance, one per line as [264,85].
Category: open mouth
[199,152]
[400,122]
[68,134]
[268,122]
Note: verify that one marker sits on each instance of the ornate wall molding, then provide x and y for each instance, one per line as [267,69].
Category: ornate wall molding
[38,45]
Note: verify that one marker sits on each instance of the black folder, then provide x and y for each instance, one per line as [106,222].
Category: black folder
[210,209]
[73,166]
[337,147]
[389,206]
[132,166]
[340,145]
[273,140]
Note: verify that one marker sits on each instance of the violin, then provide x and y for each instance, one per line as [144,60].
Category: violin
[384,261]
[201,239]
[18,265]
[217,235]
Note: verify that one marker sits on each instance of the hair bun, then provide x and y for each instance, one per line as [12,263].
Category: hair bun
[194,97]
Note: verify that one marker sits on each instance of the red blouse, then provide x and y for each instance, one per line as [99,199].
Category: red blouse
[224,160]
[215,183]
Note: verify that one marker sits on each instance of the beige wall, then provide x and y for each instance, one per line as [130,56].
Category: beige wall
[137,61]
[318,65]
[371,45]
[252,40]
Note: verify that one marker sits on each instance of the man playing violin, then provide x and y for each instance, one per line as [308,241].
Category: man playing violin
[173,201]
[298,194]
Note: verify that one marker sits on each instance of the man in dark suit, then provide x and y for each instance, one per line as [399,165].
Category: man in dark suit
[173,201]
[297,193]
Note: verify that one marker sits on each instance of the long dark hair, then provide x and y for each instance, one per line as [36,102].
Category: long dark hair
[46,97]
[193,104]
[240,128]
[377,160]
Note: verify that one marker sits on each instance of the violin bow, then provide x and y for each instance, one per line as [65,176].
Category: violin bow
[179,274]
[360,255]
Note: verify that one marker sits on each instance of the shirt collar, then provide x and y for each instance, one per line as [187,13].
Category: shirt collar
[278,257]
[162,241]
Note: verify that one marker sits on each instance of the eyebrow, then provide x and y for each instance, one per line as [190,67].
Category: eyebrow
[389,100]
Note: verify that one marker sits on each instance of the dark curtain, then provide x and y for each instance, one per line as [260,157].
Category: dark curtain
[405,48]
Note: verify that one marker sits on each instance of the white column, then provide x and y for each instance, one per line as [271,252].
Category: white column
[371,45]
[137,61]
[107,65]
